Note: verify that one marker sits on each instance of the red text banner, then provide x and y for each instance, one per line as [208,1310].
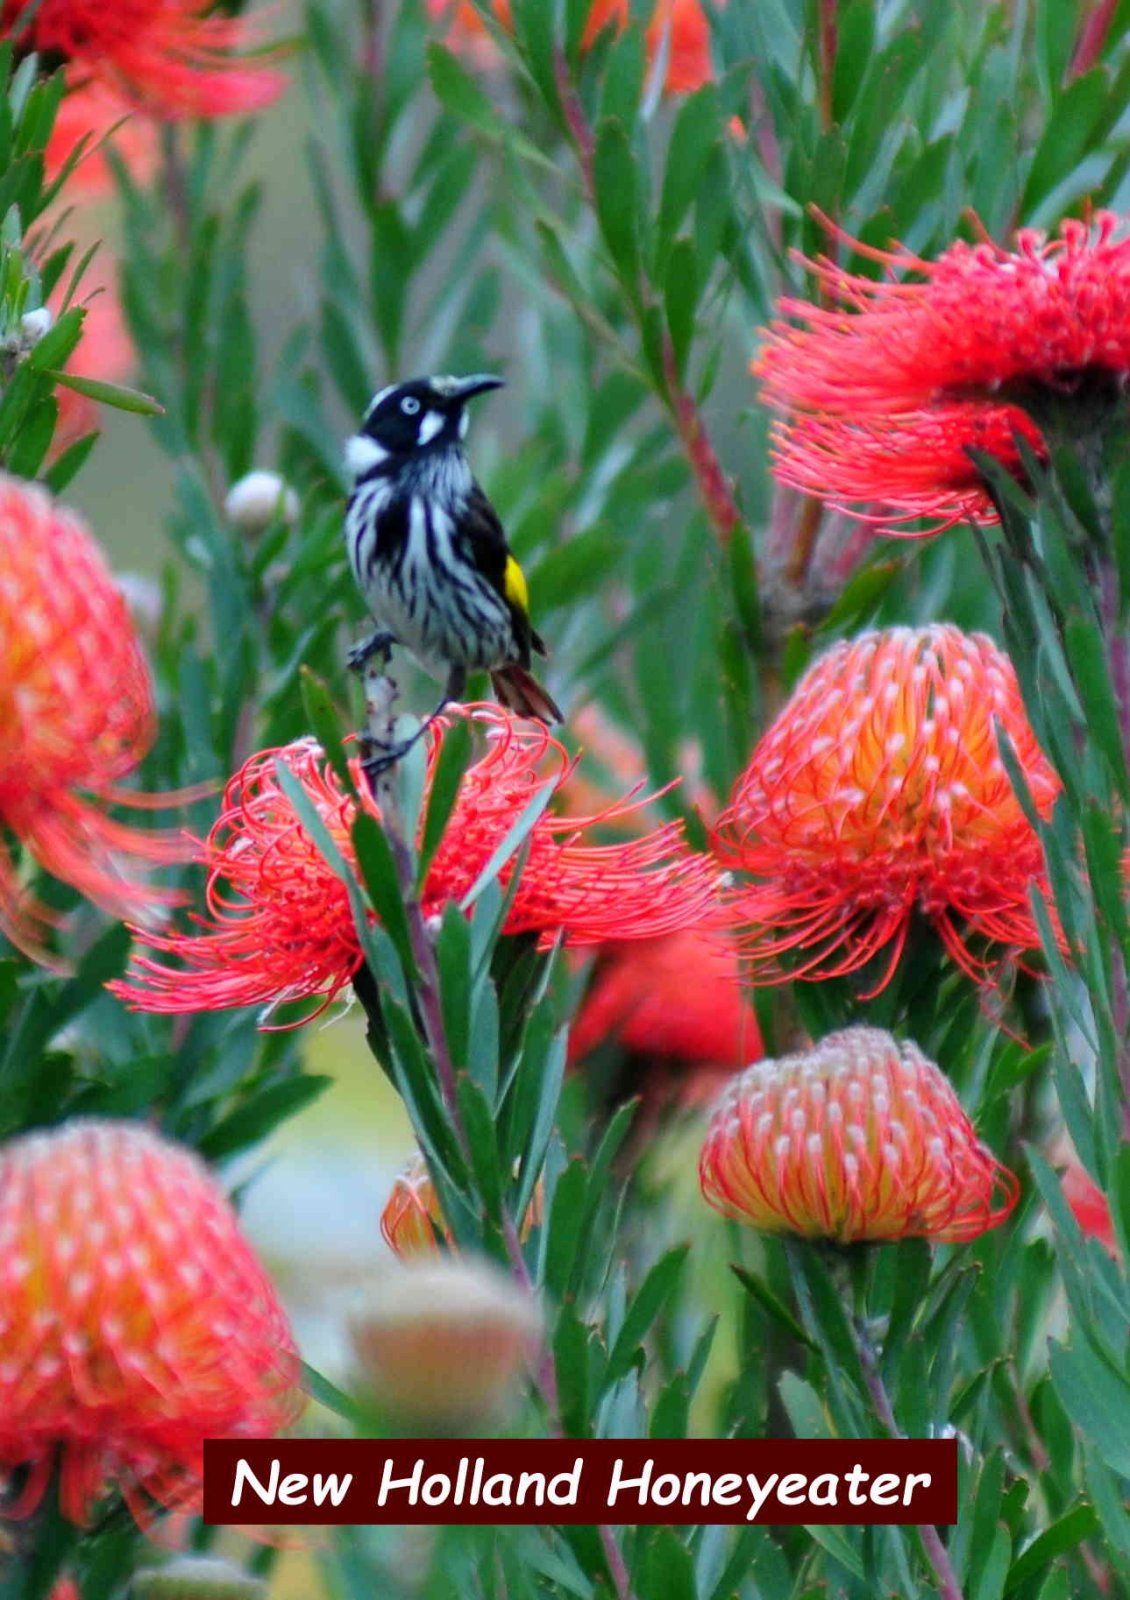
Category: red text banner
[313,1482]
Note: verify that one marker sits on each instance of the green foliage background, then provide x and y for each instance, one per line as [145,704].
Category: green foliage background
[612,251]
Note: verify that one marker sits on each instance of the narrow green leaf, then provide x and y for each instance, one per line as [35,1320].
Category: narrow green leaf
[109,394]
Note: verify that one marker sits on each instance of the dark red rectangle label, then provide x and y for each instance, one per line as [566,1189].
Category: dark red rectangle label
[356,1481]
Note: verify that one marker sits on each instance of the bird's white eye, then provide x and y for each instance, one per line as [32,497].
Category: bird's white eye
[410,405]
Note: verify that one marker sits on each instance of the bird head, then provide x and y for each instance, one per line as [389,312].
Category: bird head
[422,414]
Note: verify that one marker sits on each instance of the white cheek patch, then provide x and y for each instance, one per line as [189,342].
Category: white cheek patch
[464,423]
[362,454]
[431,424]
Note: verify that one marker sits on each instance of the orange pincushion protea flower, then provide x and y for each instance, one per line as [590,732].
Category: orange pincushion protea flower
[278,924]
[886,384]
[174,57]
[76,713]
[879,792]
[676,999]
[412,1223]
[680,27]
[858,1138]
[135,1322]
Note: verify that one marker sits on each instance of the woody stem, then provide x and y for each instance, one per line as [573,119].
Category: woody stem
[936,1553]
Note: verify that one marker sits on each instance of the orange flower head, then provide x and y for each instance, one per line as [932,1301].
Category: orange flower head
[174,58]
[76,713]
[879,792]
[885,384]
[135,1322]
[858,1138]
[278,924]
[676,999]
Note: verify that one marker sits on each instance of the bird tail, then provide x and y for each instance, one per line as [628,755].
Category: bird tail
[520,692]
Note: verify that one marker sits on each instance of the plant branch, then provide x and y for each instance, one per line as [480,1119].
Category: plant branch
[935,1550]
[713,486]
[381,694]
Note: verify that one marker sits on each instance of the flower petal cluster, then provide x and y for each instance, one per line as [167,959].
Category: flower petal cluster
[76,714]
[886,385]
[172,58]
[680,29]
[879,793]
[135,1321]
[278,924]
[858,1138]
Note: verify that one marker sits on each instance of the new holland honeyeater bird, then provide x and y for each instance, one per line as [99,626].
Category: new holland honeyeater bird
[429,552]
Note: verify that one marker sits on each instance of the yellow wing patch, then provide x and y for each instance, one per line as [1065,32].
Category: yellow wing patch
[514,586]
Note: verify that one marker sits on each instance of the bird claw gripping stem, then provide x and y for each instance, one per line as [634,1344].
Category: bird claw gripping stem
[378,644]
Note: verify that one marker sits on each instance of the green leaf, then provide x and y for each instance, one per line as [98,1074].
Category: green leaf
[1067,136]
[617,202]
[657,1288]
[693,136]
[1055,1540]
[378,869]
[1096,1397]
[512,843]
[454,755]
[321,713]
[571,1362]
[681,300]
[777,1309]
[327,1394]
[459,92]
[667,1571]
[109,394]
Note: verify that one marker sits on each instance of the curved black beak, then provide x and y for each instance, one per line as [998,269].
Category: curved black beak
[479,383]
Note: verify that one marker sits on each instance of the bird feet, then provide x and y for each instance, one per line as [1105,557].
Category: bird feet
[378,643]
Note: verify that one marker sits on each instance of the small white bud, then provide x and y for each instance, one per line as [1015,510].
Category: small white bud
[257,499]
[34,324]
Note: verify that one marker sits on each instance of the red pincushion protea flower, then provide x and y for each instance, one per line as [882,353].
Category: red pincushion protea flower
[135,1322]
[76,713]
[174,57]
[677,999]
[879,792]
[942,353]
[278,924]
[917,467]
[858,1138]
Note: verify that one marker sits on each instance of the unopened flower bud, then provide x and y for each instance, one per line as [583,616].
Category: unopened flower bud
[34,324]
[859,1137]
[444,1343]
[197,1578]
[258,499]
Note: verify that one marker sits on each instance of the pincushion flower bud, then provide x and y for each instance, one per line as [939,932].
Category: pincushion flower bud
[445,1343]
[197,1578]
[878,794]
[412,1223]
[135,1321]
[858,1138]
[76,717]
[259,498]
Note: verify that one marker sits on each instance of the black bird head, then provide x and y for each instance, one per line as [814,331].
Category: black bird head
[422,414]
